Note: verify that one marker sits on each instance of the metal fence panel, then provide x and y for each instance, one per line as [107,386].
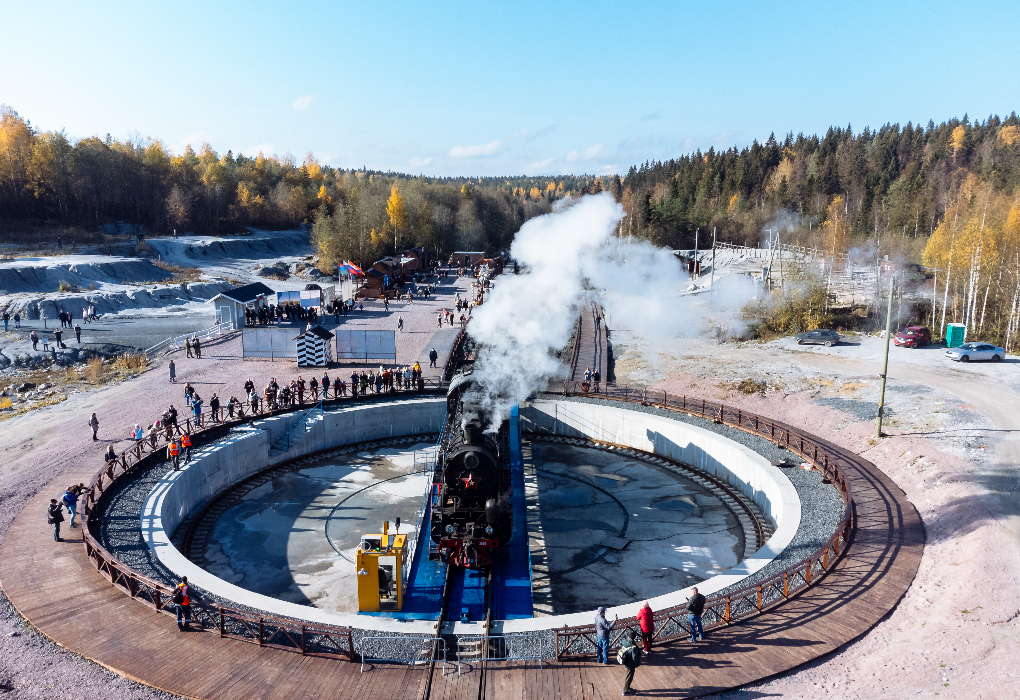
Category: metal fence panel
[366,345]
[270,343]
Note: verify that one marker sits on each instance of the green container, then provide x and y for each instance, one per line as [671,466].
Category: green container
[955,335]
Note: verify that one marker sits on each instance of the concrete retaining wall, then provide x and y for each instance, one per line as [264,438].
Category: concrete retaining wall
[245,453]
[747,470]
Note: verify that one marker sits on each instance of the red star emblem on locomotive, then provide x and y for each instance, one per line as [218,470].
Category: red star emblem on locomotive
[469,482]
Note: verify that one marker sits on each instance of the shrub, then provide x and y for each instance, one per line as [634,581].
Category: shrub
[180,274]
[94,370]
[751,386]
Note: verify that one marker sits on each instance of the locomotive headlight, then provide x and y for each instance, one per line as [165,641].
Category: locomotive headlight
[449,529]
[488,530]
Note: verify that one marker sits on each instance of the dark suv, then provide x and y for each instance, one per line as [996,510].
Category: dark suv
[913,337]
[819,336]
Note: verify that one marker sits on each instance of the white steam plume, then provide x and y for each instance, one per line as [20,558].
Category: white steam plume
[565,256]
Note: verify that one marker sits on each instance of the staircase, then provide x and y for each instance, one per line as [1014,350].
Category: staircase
[297,432]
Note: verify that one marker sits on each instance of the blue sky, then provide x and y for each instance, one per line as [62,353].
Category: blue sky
[483,88]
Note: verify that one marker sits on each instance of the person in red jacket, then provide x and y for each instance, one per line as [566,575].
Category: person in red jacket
[647,624]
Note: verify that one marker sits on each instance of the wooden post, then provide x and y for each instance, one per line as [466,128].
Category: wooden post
[223,625]
[759,598]
[786,585]
[726,614]
[807,572]
[302,640]
[262,633]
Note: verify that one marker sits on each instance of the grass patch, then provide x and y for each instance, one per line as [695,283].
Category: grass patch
[751,386]
[180,274]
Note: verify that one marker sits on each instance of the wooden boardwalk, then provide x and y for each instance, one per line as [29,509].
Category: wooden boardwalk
[591,350]
[56,587]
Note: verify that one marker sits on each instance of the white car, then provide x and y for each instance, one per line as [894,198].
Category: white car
[975,351]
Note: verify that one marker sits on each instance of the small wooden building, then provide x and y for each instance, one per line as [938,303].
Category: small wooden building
[314,348]
[466,258]
[231,304]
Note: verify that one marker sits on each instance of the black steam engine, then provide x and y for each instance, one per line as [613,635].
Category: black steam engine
[471,512]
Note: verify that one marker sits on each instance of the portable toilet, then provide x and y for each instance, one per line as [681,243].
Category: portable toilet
[956,335]
[314,348]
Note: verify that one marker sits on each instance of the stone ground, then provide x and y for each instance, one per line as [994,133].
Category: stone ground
[38,447]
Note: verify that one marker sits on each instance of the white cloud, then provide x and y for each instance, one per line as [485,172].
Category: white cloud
[485,149]
[420,162]
[263,148]
[586,154]
[540,165]
[303,103]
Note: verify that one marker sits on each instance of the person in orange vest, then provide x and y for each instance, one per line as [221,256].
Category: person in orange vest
[186,444]
[173,453]
[182,599]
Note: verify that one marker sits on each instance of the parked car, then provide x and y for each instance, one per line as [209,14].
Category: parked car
[819,336]
[975,351]
[913,337]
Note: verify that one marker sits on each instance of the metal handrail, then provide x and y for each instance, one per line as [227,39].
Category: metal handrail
[671,623]
[502,648]
[437,645]
[176,340]
[300,423]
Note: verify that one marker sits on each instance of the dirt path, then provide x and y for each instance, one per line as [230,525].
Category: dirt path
[954,452]
[44,444]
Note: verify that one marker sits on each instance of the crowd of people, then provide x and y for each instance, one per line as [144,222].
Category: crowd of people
[632,649]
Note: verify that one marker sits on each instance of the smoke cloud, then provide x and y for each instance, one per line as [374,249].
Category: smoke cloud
[566,257]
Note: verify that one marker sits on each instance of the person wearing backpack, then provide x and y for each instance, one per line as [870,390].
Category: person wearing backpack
[182,599]
[630,657]
[695,607]
[55,516]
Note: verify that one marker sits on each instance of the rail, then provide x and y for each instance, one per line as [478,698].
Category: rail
[176,340]
[671,623]
[289,635]
[450,360]
[137,585]
[512,647]
[419,650]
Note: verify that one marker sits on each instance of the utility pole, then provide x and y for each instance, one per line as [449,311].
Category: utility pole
[697,267]
[711,286]
[885,362]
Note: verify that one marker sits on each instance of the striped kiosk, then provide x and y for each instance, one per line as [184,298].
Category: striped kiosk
[314,348]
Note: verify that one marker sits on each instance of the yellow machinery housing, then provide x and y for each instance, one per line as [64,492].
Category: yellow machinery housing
[380,561]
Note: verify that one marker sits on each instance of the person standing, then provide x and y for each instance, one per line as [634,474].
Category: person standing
[70,501]
[187,346]
[182,599]
[111,454]
[602,629]
[186,446]
[173,372]
[646,621]
[94,424]
[433,356]
[198,348]
[173,453]
[77,332]
[400,324]
[214,404]
[17,320]
[630,656]
[55,516]
[7,319]
[695,607]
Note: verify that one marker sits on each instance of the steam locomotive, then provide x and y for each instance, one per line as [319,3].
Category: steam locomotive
[471,510]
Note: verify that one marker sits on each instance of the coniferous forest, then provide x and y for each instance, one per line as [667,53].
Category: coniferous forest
[946,195]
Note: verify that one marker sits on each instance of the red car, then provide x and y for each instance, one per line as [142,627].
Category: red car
[913,337]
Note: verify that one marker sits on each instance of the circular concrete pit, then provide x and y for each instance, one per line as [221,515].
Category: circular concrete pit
[293,537]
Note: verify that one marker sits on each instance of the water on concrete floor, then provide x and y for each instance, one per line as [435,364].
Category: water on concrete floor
[579,498]
[294,537]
